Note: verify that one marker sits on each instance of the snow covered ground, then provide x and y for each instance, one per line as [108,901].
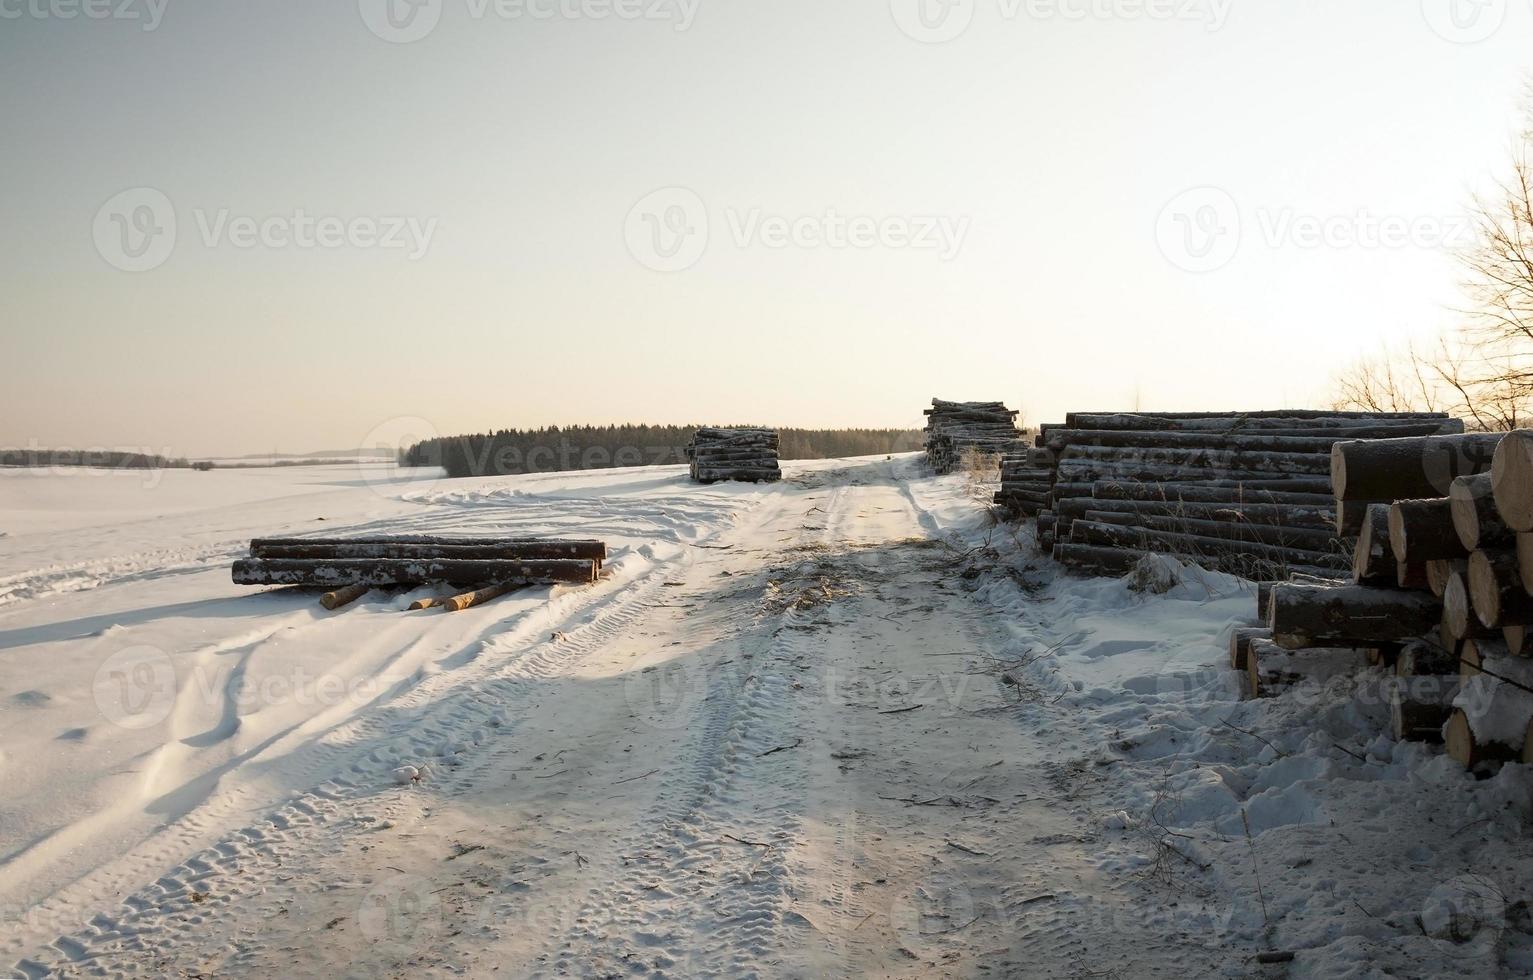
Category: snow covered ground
[839,726]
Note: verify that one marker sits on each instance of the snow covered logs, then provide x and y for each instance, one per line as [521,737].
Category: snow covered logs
[1444,520]
[747,455]
[1246,493]
[350,567]
[954,429]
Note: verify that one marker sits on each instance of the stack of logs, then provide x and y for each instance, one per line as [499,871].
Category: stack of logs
[486,567]
[1245,493]
[955,430]
[747,455]
[1441,592]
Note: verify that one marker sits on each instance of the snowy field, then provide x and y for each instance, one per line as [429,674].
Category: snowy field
[838,726]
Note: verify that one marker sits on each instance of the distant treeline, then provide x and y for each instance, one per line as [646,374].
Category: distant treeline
[105,458]
[593,447]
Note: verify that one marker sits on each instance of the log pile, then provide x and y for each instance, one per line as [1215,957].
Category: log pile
[485,567]
[957,429]
[746,455]
[1441,588]
[1247,493]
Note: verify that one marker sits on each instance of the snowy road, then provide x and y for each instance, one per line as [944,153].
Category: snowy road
[803,730]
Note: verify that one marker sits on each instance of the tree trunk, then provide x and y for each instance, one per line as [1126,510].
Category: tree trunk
[1276,515]
[1202,459]
[1438,572]
[1423,530]
[1495,590]
[1308,616]
[468,600]
[389,571]
[1474,513]
[1512,480]
[1199,493]
[1240,645]
[1467,751]
[1196,546]
[1373,562]
[316,548]
[1419,707]
[1422,658]
[1407,469]
[344,597]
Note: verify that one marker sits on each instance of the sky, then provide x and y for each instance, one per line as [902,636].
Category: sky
[240,227]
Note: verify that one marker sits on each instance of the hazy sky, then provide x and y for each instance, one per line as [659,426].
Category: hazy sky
[795,212]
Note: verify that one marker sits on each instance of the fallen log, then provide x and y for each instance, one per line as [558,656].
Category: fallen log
[1512,479]
[1459,620]
[1373,562]
[1246,420]
[1419,707]
[1279,515]
[344,597]
[1194,493]
[1305,615]
[1474,513]
[1236,440]
[1471,752]
[409,548]
[468,600]
[1202,459]
[1524,550]
[1423,531]
[1495,590]
[1240,645]
[1407,469]
[1438,572]
[1308,539]
[390,571]
[1475,653]
[1421,658]
[1194,545]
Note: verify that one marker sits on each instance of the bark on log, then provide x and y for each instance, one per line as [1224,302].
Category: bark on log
[1525,558]
[1276,515]
[389,571]
[468,600]
[1246,420]
[1413,577]
[1193,545]
[1239,441]
[1307,539]
[1422,658]
[1304,615]
[337,549]
[1407,469]
[1474,513]
[1373,562]
[1512,479]
[1420,706]
[1423,531]
[1194,493]
[1107,561]
[1496,592]
[1202,459]
[1240,645]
